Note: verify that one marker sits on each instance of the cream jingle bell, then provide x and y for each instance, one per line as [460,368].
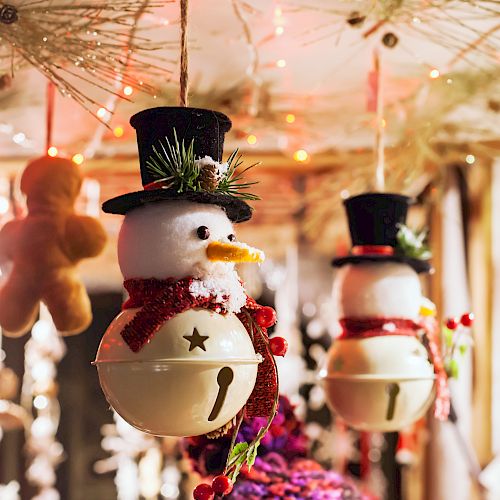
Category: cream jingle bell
[383,370]
[190,348]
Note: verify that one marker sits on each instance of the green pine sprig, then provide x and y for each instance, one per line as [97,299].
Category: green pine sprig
[412,243]
[175,165]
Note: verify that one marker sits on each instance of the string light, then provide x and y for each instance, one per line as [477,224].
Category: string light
[279,30]
[281,63]
[52,151]
[470,159]
[19,138]
[101,112]
[128,90]
[290,118]
[251,139]
[434,73]
[300,155]
[78,158]
[118,131]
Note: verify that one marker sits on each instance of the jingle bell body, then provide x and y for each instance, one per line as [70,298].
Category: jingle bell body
[193,377]
[379,381]
[193,371]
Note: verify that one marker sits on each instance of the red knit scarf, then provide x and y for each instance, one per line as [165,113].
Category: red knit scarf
[354,328]
[161,300]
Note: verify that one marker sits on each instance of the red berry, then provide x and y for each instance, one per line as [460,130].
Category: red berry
[265,317]
[222,485]
[467,319]
[452,323]
[278,346]
[203,492]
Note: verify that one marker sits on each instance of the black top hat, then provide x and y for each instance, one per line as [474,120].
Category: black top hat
[374,220]
[206,128]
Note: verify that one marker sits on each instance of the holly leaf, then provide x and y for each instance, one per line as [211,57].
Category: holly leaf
[463,349]
[448,337]
[238,454]
[453,368]
[252,455]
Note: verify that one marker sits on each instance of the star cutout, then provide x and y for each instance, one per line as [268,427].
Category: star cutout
[196,340]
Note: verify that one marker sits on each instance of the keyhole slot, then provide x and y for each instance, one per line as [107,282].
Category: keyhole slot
[224,379]
[393,391]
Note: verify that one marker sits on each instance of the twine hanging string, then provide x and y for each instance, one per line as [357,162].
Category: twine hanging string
[51,95]
[380,126]
[184,82]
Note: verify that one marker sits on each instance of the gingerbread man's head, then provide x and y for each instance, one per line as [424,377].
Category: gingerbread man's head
[51,184]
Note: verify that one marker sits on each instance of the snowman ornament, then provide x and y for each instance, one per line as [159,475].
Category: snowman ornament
[384,369]
[189,349]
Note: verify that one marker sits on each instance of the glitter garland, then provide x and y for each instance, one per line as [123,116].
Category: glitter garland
[75,43]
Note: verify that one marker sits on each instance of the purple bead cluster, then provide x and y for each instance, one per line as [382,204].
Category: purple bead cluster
[281,470]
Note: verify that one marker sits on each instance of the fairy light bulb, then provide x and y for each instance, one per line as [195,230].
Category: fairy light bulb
[300,155]
[52,151]
[78,158]
[281,63]
[19,138]
[118,131]
[470,159]
[434,73]
[101,112]
[279,30]
[128,90]
[251,139]
[290,118]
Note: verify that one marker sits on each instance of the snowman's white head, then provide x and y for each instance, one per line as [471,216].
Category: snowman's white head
[176,239]
[386,289]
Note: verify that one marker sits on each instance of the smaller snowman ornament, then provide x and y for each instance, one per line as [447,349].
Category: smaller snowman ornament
[381,372]
[190,348]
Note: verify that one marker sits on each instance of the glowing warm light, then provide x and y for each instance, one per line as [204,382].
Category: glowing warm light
[290,118]
[251,139]
[40,402]
[279,30]
[78,158]
[300,155]
[128,90]
[278,12]
[434,73]
[4,205]
[118,131]
[52,151]
[470,159]
[383,123]
[101,112]
[281,63]
[165,22]
[19,138]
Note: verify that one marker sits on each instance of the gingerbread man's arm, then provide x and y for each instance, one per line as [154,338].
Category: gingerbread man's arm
[84,237]
[8,240]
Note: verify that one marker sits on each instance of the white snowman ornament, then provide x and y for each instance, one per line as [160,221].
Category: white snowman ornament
[177,361]
[378,375]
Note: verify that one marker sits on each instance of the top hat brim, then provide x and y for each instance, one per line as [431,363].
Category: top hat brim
[419,266]
[236,209]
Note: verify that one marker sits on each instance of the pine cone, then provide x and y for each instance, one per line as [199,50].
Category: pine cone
[209,178]
[221,431]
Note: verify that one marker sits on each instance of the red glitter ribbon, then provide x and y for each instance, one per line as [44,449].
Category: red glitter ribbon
[161,300]
[363,328]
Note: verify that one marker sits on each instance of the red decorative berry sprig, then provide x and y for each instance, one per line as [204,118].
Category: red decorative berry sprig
[455,336]
[244,453]
[203,492]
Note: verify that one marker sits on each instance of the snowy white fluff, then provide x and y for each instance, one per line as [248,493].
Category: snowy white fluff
[222,168]
[378,289]
[160,240]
